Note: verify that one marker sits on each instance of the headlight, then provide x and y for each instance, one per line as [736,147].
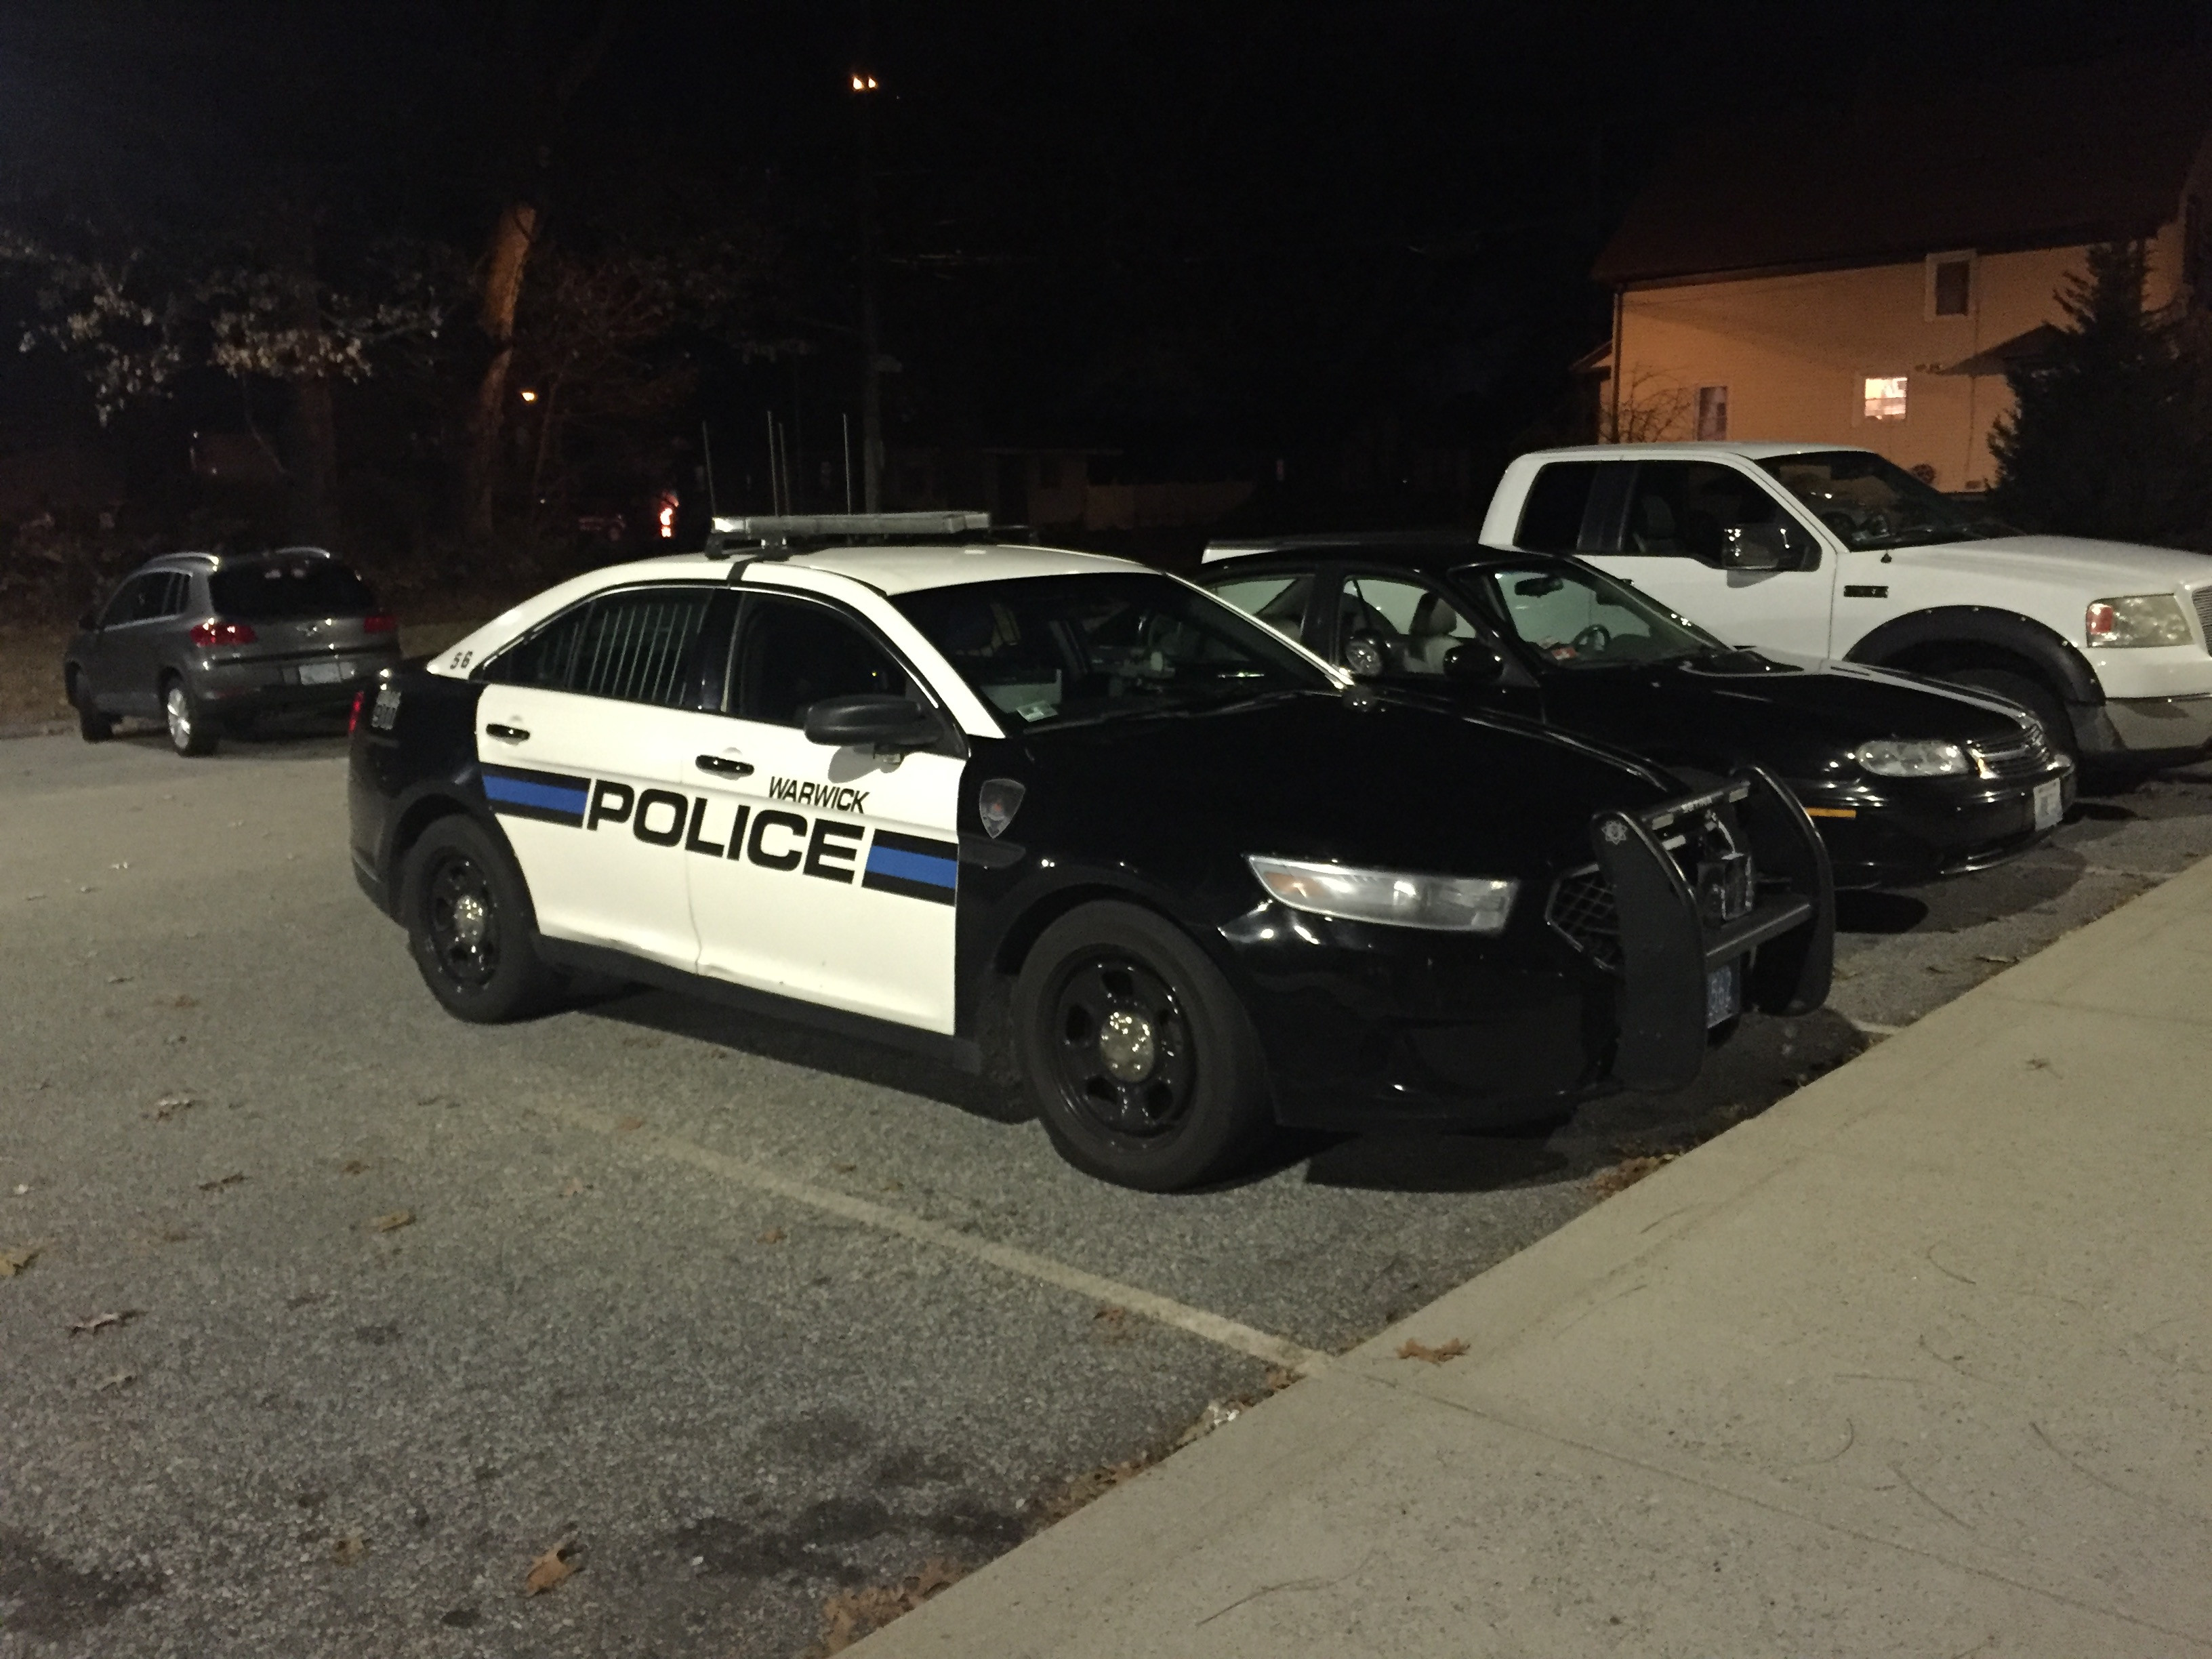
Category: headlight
[1443,904]
[1911,758]
[2137,619]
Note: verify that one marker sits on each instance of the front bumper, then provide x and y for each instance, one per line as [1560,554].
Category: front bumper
[1366,1026]
[2166,728]
[1898,832]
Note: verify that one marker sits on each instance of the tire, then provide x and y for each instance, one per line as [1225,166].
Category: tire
[467,915]
[91,725]
[192,728]
[1145,1065]
[2030,694]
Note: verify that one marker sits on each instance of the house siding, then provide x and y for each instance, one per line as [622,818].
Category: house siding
[1794,351]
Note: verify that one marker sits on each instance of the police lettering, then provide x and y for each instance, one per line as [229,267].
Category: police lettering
[826,847]
[829,797]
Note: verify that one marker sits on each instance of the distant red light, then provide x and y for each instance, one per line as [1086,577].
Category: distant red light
[380,623]
[353,714]
[222,633]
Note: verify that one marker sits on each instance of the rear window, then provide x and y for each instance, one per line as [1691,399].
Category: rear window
[277,589]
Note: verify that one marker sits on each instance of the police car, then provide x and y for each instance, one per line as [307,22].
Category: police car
[879,785]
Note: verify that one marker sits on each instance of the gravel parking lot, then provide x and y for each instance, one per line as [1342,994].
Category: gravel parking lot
[324,1317]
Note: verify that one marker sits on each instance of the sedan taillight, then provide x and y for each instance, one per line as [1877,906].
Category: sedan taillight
[380,623]
[353,714]
[222,633]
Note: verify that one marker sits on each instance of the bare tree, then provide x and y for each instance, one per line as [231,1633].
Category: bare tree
[1648,411]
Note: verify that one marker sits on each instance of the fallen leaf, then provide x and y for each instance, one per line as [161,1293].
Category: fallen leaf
[850,1614]
[1279,1378]
[393,1223]
[120,1380]
[2039,1065]
[93,1324]
[1937,968]
[1436,1356]
[169,1105]
[14,1262]
[550,1568]
[893,1185]
[354,1166]
[844,1169]
[222,1182]
[571,1187]
[625,1124]
[1626,1173]
[773,1236]
[2006,960]
[184,1002]
[118,979]
[348,1550]
[1111,1318]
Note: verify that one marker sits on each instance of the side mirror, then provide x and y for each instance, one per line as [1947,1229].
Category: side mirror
[1367,656]
[885,723]
[1753,547]
[1474,664]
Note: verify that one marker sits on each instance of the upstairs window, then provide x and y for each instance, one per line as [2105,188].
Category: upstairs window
[1950,285]
[1712,413]
[1884,397]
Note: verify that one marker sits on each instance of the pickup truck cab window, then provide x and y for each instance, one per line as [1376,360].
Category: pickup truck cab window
[1872,504]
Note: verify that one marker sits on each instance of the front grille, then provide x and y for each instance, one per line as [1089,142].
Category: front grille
[2202,599]
[1582,909]
[2012,757]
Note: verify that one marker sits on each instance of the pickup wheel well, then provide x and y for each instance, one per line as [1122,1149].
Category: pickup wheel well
[1942,659]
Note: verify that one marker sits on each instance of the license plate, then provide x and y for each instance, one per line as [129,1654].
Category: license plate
[1723,997]
[326,673]
[2049,804]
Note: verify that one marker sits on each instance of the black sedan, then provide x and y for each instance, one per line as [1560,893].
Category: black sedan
[1908,780]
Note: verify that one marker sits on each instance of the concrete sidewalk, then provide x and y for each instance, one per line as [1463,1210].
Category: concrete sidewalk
[1917,1363]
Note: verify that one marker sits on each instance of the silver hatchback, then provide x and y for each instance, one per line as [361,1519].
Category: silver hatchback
[205,641]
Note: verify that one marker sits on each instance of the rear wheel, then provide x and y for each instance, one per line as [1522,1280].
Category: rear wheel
[2030,694]
[1146,1068]
[191,729]
[467,917]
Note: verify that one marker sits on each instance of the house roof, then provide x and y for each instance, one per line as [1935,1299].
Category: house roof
[2042,158]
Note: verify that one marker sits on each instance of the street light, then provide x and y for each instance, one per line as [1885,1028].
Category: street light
[863,81]
[528,396]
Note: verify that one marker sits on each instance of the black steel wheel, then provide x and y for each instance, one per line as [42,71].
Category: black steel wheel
[468,925]
[1144,1064]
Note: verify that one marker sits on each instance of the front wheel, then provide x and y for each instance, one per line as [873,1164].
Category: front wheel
[190,730]
[467,917]
[1146,1068]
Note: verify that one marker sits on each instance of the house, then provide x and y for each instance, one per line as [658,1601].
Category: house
[1862,274]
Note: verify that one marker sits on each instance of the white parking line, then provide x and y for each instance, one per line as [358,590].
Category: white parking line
[1161,1310]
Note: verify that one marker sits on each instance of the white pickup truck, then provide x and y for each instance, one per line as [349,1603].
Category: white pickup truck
[1809,553]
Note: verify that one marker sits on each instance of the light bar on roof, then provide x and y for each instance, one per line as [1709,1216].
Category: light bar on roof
[782,527]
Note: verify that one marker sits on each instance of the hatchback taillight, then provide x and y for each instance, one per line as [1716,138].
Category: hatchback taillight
[222,633]
[380,623]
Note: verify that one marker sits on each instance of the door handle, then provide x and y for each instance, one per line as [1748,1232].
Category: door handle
[506,733]
[725,765]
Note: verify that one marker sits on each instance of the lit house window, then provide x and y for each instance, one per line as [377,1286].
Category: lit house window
[1885,396]
[1950,284]
[1712,412]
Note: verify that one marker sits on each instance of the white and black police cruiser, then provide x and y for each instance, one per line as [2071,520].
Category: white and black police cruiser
[874,786]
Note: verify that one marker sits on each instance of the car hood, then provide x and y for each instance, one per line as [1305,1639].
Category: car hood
[2094,569]
[1358,777]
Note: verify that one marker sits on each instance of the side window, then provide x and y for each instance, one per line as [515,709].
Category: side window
[637,647]
[1418,624]
[1682,509]
[1557,506]
[789,654]
[176,590]
[1278,600]
[131,601]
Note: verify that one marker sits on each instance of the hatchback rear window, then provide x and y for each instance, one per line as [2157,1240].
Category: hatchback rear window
[276,589]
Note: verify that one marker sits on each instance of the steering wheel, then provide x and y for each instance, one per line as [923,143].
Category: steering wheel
[1597,637]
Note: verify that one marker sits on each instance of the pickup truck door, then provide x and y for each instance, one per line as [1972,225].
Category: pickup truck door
[1667,530]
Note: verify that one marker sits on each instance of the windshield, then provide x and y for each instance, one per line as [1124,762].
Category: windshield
[282,589]
[1059,649]
[1873,503]
[1576,617]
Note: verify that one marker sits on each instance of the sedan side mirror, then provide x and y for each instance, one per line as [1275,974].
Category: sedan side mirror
[1474,664]
[885,723]
[1367,656]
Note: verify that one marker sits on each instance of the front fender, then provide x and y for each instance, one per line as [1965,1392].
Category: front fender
[1980,624]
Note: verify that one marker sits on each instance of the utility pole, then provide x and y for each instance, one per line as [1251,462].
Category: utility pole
[871,391]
